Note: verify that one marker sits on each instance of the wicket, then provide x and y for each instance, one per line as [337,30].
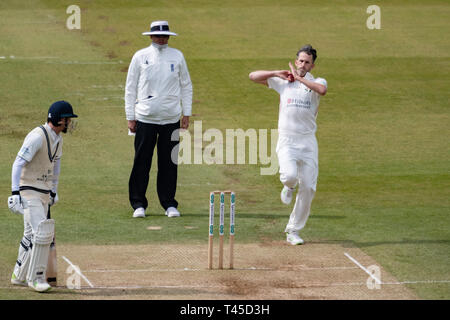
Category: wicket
[221,227]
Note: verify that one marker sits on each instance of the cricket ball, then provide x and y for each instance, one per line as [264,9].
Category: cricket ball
[291,77]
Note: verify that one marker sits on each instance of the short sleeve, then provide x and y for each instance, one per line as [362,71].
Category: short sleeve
[276,83]
[321,81]
[31,144]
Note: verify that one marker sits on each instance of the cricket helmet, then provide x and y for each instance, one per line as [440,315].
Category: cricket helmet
[58,111]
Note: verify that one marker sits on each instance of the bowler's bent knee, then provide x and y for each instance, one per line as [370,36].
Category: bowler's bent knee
[289,180]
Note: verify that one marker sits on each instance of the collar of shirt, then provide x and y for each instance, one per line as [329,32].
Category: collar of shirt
[159,47]
[55,137]
[309,76]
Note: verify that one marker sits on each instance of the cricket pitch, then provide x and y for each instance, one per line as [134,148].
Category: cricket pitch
[271,270]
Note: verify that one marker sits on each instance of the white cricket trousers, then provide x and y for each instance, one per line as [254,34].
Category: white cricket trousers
[299,165]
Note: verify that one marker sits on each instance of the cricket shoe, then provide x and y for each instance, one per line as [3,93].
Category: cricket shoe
[293,238]
[286,195]
[139,213]
[17,282]
[172,212]
[40,285]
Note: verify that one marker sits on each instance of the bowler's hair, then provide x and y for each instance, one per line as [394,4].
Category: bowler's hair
[309,50]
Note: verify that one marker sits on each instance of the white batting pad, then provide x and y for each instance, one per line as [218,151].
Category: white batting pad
[41,245]
[23,259]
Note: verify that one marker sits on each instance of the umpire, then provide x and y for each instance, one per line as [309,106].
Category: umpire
[158,93]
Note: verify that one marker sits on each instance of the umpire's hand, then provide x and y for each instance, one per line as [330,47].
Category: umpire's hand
[132,125]
[185,122]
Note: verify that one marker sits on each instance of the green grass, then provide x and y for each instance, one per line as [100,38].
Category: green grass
[382,127]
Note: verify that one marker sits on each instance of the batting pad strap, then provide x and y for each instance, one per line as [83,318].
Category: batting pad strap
[23,260]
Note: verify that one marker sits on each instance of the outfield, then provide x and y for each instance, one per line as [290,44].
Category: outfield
[382,131]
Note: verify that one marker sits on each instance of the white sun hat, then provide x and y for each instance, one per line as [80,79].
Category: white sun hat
[159,28]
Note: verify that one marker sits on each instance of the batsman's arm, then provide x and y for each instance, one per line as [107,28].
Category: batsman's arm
[30,146]
[15,203]
[55,181]
[16,173]
[261,76]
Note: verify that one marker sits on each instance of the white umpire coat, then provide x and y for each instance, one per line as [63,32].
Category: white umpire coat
[158,88]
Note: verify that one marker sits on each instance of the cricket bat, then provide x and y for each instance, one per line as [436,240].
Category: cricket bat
[52,271]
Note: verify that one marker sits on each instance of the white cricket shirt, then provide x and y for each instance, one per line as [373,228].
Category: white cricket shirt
[38,171]
[298,105]
[158,88]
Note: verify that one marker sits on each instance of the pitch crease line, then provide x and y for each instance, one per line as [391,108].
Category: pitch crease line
[311,285]
[77,270]
[362,268]
[194,269]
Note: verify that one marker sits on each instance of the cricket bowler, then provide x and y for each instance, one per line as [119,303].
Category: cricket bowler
[35,175]
[297,148]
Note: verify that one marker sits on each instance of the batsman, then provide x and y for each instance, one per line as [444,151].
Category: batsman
[35,175]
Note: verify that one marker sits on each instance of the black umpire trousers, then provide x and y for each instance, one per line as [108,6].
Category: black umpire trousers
[147,136]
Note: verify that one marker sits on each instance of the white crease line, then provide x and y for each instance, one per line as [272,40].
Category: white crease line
[328,268]
[98,86]
[365,270]
[52,60]
[164,270]
[106,98]
[37,22]
[86,62]
[418,282]
[384,283]
[139,270]
[197,184]
[35,58]
[299,285]
[77,270]
[235,269]
[27,58]
[154,287]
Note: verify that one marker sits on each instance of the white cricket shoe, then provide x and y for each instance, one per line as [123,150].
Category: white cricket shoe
[293,238]
[172,212]
[139,213]
[40,285]
[17,282]
[286,195]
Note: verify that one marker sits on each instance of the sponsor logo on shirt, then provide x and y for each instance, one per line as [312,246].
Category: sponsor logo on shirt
[43,178]
[24,151]
[298,103]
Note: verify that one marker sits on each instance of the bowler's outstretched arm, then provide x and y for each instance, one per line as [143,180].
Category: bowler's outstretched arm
[261,76]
